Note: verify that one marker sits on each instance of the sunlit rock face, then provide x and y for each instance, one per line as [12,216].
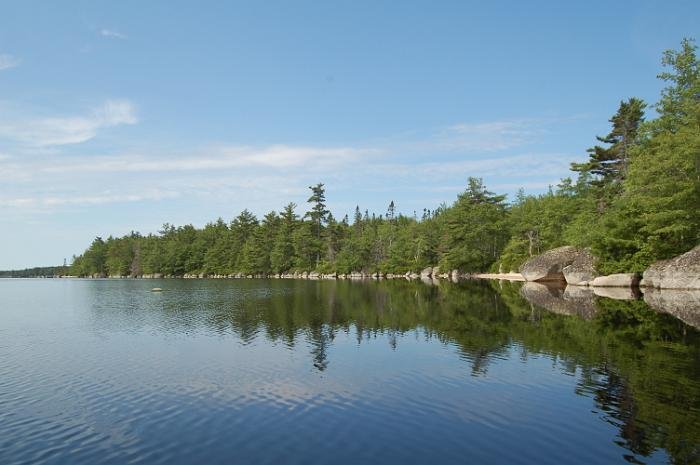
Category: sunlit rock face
[557,299]
[617,280]
[582,270]
[550,265]
[682,272]
[683,304]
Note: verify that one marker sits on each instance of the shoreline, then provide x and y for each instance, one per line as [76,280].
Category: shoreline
[310,276]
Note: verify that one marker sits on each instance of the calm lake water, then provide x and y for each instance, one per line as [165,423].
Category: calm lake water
[282,371]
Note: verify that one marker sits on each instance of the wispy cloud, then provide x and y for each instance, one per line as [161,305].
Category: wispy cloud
[476,137]
[276,157]
[489,136]
[85,200]
[520,165]
[53,131]
[8,61]
[112,34]
[225,177]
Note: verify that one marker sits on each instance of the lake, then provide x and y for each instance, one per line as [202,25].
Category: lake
[305,372]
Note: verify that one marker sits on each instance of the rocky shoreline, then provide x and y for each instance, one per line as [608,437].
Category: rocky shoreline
[564,265]
[577,267]
[430,273]
[562,280]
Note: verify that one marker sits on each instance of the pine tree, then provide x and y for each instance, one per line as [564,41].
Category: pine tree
[318,216]
[609,164]
[241,230]
[391,211]
[282,256]
[475,232]
[657,215]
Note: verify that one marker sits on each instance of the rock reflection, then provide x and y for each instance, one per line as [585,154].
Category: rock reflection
[684,305]
[585,302]
[569,300]
[618,293]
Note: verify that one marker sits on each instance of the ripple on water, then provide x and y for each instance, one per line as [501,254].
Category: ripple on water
[299,372]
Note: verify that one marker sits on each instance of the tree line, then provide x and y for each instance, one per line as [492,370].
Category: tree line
[635,200]
[37,272]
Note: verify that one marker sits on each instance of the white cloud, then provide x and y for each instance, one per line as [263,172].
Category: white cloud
[489,136]
[85,200]
[116,112]
[222,178]
[43,132]
[112,34]
[273,157]
[8,61]
[527,164]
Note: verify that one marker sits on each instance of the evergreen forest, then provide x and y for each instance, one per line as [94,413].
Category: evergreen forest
[635,200]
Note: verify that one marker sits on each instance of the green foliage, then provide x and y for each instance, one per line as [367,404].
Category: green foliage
[609,164]
[474,227]
[656,216]
[282,254]
[540,223]
[318,216]
[37,272]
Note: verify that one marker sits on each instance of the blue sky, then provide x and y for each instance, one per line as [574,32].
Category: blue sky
[119,116]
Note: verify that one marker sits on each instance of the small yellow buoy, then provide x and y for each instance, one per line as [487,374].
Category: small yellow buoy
[156,289]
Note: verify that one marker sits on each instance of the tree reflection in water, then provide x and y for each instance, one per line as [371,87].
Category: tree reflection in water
[641,366]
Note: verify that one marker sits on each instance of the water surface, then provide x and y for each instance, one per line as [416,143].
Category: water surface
[283,371]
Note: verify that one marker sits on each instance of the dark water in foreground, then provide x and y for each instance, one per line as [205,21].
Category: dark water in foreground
[256,371]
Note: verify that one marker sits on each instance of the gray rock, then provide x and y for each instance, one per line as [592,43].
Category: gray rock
[582,269]
[580,301]
[681,272]
[617,280]
[683,304]
[549,266]
[577,301]
[426,273]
